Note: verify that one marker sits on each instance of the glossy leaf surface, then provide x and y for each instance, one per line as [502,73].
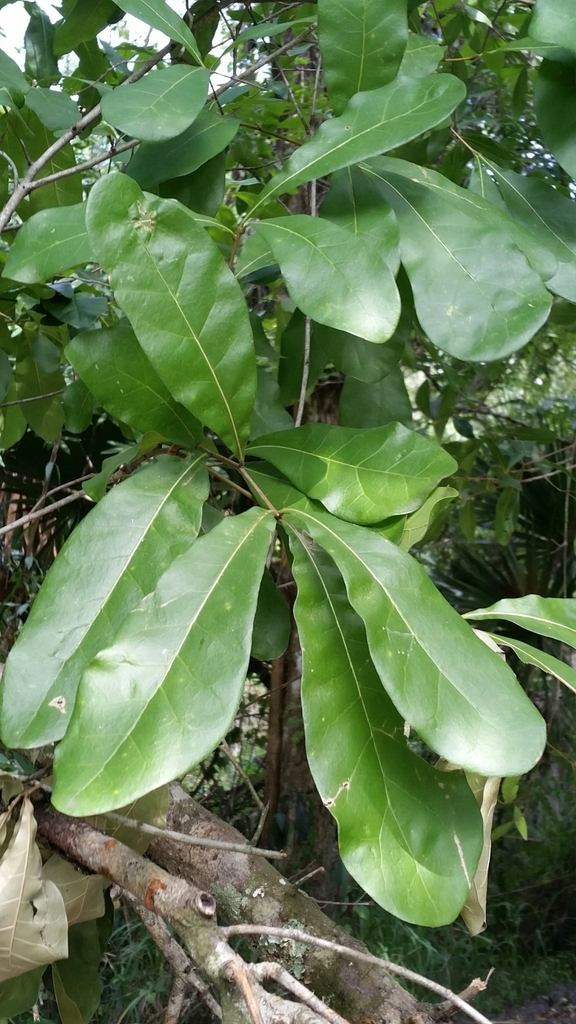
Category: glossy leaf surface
[372,123]
[333,277]
[118,373]
[56,110]
[165,693]
[551,217]
[409,835]
[154,162]
[553,617]
[360,477]
[160,16]
[474,293]
[113,558]
[161,105]
[271,631]
[553,22]
[355,203]
[39,45]
[375,404]
[184,304]
[357,357]
[540,659]
[555,108]
[457,694]
[361,43]
[49,243]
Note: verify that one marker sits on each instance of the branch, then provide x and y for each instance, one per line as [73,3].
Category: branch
[172,952]
[78,168]
[25,186]
[180,837]
[246,75]
[295,935]
[277,973]
[31,517]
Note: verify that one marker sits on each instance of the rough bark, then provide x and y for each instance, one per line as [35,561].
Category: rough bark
[249,890]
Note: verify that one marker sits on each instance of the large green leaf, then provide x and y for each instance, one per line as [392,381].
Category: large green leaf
[39,45]
[116,370]
[160,16]
[161,105]
[550,216]
[20,993]
[154,162]
[333,276]
[49,243]
[460,697]
[555,108]
[65,191]
[76,979]
[540,659]
[360,476]
[56,110]
[354,202]
[553,22]
[410,835]
[474,293]
[86,19]
[372,123]
[357,357]
[11,76]
[375,404]
[45,416]
[112,559]
[361,43]
[271,630]
[182,300]
[165,693]
[554,617]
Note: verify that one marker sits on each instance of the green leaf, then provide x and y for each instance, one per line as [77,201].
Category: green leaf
[461,698]
[116,370]
[553,22]
[78,404]
[154,162]
[161,105]
[333,277]
[291,363]
[12,422]
[421,57]
[545,662]
[555,109]
[269,413]
[354,202]
[554,617]
[19,994]
[408,834]
[64,192]
[550,216]
[6,374]
[86,19]
[39,45]
[165,693]
[374,405]
[54,108]
[160,16]
[96,487]
[131,537]
[474,293]
[76,981]
[11,77]
[45,415]
[271,630]
[357,357]
[362,477]
[372,123]
[182,300]
[417,525]
[506,517]
[51,242]
[361,43]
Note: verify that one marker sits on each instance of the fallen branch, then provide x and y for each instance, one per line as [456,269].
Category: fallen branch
[181,837]
[295,935]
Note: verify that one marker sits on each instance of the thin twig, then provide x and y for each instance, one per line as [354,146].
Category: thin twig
[34,398]
[295,935]
[10,161]
[180,837]
[239,973]
[24,187]
[174,954]
[30,517]
[246,76]
[261,823]
[229,483]
[234,761]
[78,168]
[307,334]
[275,972]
